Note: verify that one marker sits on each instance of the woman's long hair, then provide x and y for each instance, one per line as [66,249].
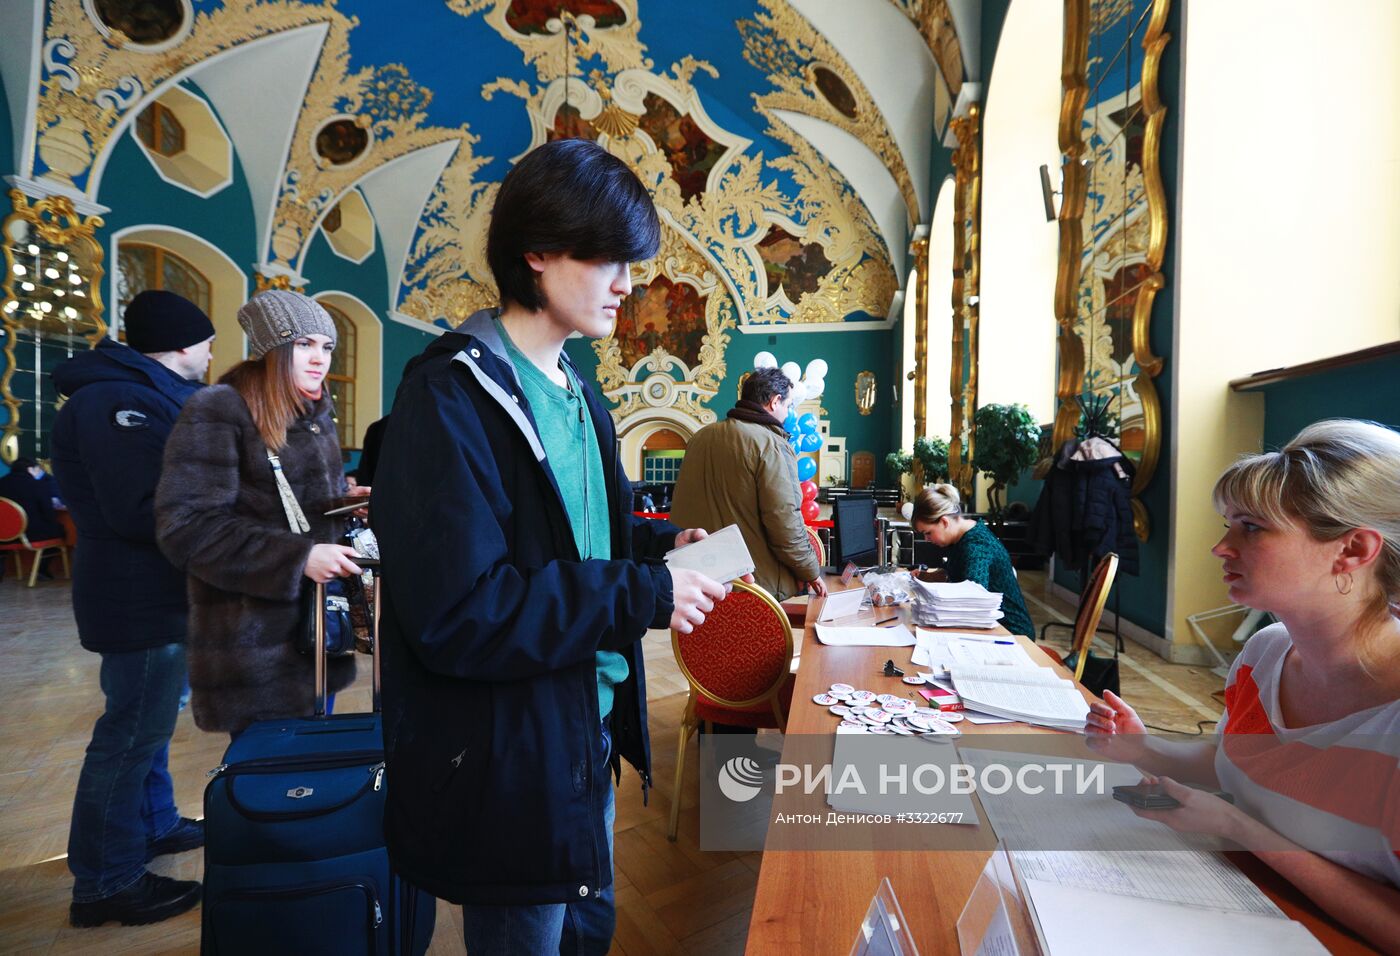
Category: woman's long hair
[270,391]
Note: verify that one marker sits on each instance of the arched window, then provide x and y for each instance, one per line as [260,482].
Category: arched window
[161,131]
[341,378]
[142,266]
[661,457]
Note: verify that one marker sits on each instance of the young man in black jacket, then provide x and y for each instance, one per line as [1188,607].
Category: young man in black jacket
[517,581]
[129,602]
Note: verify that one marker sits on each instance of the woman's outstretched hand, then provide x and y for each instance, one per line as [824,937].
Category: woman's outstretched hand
[1115,730]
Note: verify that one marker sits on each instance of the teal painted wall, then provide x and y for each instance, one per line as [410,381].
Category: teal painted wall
[846,354]
[1362,391]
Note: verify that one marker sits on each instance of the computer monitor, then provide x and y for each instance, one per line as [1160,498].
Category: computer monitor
[854,539]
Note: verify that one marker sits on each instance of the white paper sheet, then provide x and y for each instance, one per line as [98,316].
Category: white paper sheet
[842,604]
[1147,928]
[722,556]
[896,635]
[939,650]
[977,717]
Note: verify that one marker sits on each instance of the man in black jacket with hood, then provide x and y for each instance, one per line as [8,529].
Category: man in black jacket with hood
[129,602]
[517,581]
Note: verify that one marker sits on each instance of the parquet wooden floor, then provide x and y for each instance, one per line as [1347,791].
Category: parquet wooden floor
[672,897]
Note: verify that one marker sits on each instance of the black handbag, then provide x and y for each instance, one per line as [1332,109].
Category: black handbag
[1100,673]
[340,634]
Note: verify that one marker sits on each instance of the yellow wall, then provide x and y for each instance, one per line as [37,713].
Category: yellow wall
[938,390]
[1020,250]
[1288,231]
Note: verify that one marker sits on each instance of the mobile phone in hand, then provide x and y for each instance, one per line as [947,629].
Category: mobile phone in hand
[1145,796]
[1150,796]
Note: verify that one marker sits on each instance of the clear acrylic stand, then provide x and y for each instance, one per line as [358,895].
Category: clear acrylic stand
[884,931]
[996,920]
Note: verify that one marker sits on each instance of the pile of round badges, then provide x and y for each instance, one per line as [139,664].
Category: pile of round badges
[886,713]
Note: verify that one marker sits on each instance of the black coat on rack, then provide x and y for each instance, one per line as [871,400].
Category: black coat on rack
[1085,511]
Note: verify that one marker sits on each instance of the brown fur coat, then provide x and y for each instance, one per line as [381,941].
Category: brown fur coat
[219,517]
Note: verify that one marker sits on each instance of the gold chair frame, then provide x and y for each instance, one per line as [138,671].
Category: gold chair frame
[690,723]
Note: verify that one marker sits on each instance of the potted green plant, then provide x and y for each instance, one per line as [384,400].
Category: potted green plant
[1007,441]
[898,464]
[932,454]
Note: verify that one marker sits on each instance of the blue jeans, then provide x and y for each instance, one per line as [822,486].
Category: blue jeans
[125,798]
[584,928]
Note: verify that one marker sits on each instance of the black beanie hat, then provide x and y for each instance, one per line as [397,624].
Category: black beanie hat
[159,321]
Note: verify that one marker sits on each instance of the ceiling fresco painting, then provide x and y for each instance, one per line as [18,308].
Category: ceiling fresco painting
[762,229]
[802,66]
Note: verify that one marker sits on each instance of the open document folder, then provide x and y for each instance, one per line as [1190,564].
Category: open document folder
[1036,695]
[1085,863]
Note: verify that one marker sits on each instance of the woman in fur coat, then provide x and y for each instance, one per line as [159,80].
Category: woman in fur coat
[220,517]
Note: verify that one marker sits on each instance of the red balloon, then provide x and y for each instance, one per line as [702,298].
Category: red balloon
[809,490]
[810,511]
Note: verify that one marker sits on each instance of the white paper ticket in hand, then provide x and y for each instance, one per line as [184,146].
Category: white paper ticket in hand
[722,556]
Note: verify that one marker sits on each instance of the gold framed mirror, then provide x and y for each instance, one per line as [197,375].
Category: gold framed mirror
[1113,228]
[52,310]
[865,391]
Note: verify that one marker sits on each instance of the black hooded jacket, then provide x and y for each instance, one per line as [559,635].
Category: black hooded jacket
[108,440]
[490,631]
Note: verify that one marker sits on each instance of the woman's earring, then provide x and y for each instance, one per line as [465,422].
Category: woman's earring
[1343,588]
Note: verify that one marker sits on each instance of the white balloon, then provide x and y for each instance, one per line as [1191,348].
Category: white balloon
[765,360]
[799,394]
[793,371]
[815,387]
[817,368]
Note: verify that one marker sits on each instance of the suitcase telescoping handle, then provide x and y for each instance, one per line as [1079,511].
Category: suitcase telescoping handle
[366,564]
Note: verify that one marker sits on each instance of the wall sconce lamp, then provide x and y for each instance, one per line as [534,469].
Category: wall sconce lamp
[1047,192]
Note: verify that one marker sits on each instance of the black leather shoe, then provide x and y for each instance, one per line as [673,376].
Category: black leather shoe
[187,835]
[149,900]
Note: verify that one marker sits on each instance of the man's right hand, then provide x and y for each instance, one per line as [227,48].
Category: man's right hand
[693,595]
[818,587]
[329,561]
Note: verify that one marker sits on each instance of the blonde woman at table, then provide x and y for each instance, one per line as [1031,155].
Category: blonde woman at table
[1311,732]
[974,553]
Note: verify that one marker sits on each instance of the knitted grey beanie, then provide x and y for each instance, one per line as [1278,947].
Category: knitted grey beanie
[277,317]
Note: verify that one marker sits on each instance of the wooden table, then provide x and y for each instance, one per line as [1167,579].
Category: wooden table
[813,901]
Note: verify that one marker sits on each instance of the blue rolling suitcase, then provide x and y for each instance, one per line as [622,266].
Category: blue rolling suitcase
[294,856]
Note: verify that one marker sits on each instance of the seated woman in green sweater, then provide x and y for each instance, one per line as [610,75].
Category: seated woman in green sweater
[974,552]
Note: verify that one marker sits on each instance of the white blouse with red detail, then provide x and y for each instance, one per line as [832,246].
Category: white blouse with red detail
[1332,788]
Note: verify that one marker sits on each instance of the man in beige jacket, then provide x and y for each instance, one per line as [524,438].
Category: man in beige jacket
[743,471]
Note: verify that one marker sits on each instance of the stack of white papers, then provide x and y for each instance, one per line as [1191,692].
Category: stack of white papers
[964,604]
[1035,695]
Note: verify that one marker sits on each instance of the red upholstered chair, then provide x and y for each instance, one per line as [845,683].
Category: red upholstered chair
[796,611]
[738,664]
[816,541]
[13,523]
